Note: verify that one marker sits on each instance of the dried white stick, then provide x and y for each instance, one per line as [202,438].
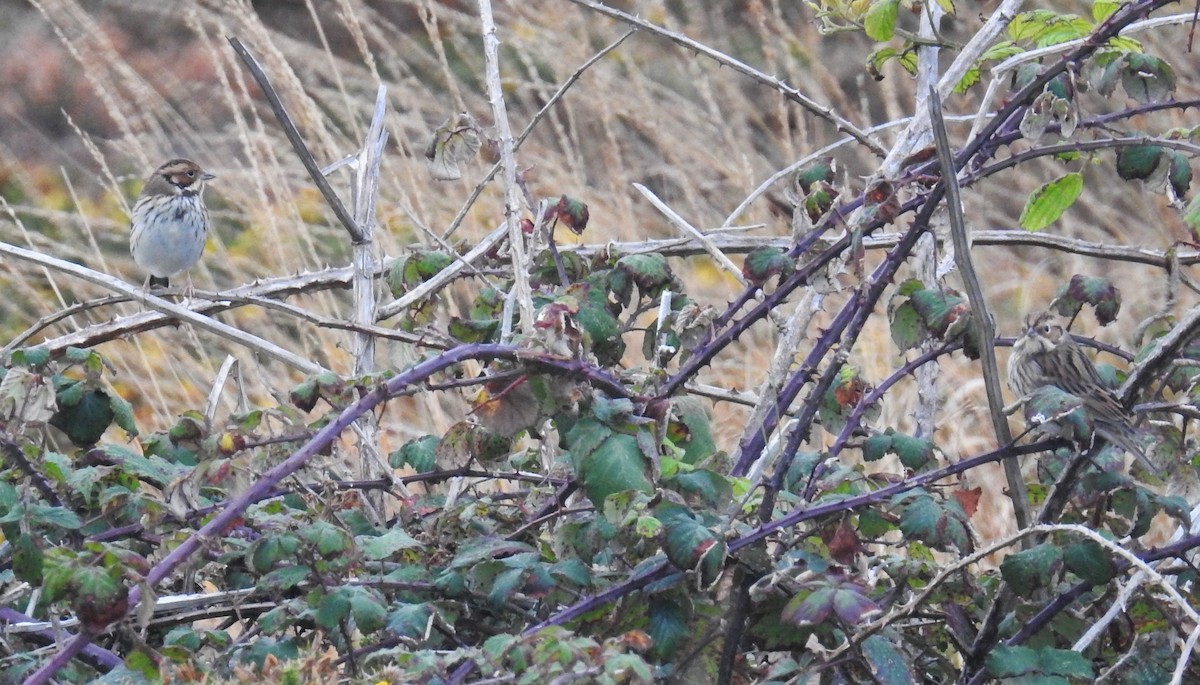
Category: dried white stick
[508,159]
[251,342]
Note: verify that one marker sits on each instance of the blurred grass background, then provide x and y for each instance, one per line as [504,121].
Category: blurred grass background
[94,95]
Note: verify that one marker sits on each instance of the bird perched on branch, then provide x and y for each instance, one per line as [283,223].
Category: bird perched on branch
[170,222]
[1045,355]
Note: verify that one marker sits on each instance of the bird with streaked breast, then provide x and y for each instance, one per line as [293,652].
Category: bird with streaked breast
[1045,354]
[170,222]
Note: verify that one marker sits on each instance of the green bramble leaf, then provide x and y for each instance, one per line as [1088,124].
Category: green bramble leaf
[940,313]
[473,330]
[607,462]
[30,356]
[69,393]
[414,621]
[368,609]
[328,539]
[1050,405]
[285,577]
[384,546]
[1066,663]
[597,320]
[873,525]
[819,200]
[544,273]
[1011,662]
[690,427]
[667,625]
[572,213]
[415,268]
[998,52]
[333,608]
[710,487]
[303,396]
[1090,561]
[942,310]
[1048,203]
[908,331]
[1137,162]
[650,272]
[420,454]
[942,524]
[123,415]
[476,550]
[1103,9]
[1068,28]
[877,446]
[905,57]
[1047,27]
[690,545]
[1031,570]
[910,287]
[1046,665]
[1097,291]
[824,170]
[914,453]
[1147,79]
[765,262]
[488,304]
[83,416]
[1179,175]
[1191,216]
[888,662]
[880,21]
[27,559]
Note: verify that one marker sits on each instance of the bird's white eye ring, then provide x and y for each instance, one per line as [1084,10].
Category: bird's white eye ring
[191,173]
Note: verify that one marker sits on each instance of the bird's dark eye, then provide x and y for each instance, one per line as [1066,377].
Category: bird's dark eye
[191,173]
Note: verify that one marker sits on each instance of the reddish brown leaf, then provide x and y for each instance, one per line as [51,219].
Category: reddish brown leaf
[843,543]
[968,500]
[848,394]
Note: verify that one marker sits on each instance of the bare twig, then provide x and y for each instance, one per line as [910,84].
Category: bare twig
[793,333]
[508,159]
[293,135]
[284,286]
[441,278]
[964,60]
[537,117]
[925,253]
[214,391]
[823,111]
[364,192]
[734,244]
[61,315]
[330,322]
[266,293]
[251,342]
[689,230]
[980,316]
[1166,349]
